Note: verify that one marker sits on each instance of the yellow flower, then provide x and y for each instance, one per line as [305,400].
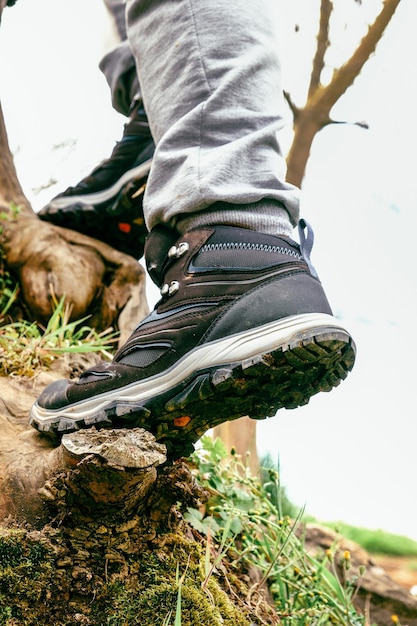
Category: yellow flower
[346,560]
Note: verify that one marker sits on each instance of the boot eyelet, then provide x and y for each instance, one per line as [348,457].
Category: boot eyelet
[182,249]
[173,287]
[176,253]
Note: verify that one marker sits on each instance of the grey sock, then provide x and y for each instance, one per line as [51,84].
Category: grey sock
[265,216]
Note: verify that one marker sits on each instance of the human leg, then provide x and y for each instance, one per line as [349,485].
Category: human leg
[214,100]
[243,326]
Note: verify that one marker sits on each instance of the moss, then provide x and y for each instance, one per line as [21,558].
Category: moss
[41,582]
[131,607]
[26,576]
[156,591]
[11,552]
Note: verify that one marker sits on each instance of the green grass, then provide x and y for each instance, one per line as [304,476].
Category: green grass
[376,541]
[8,287]
[26,346]
[246,514]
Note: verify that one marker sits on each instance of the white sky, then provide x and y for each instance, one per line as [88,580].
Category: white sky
[350,454]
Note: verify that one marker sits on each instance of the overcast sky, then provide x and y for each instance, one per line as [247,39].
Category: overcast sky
[350,454]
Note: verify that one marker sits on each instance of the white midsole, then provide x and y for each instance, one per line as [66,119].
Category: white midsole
[232,349]
[101,196]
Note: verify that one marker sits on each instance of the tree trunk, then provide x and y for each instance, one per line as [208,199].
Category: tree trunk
[10,189]
[240,436]
[306,125]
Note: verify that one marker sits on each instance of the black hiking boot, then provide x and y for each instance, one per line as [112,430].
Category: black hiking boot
[243,328]
[107,204]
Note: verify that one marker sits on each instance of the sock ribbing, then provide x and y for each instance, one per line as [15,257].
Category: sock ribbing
[265,216]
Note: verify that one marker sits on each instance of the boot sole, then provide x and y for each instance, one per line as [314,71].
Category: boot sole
[289,361]
[98,197]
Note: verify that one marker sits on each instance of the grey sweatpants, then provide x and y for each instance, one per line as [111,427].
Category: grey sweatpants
[210,80]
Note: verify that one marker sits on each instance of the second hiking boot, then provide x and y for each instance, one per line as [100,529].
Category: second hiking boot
[107,204]
[243,328]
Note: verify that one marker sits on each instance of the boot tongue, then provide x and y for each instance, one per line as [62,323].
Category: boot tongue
[158,242]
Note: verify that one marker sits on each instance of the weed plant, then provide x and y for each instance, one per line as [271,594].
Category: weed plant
[8,284]
[26,346]
[8,288]
[306,590]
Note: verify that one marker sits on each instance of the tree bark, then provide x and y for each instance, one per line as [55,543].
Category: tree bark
[95,280]
[97,516]
[115,471]
[240,436]
[10,188]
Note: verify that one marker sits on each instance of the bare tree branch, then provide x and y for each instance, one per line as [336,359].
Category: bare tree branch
[291,104]
[343,78]
[315,114]
[322,45]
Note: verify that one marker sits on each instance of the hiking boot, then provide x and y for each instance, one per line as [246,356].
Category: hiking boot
[243,327]
[107,204]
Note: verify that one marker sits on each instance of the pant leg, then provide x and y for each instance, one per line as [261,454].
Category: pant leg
[118,66]
[117,9]
[119,69]
[211,84]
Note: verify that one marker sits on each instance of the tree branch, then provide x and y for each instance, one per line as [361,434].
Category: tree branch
[293,107]
[322,45]
[343,78]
